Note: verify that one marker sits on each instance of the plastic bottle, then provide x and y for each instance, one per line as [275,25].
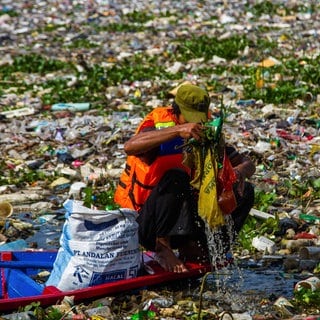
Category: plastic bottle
[309,217]
[312,283]
[260,214]
[70,106]
[18,112]
[310,253]
[248,102]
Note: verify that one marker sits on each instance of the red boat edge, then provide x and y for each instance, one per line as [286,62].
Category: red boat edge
[19,263]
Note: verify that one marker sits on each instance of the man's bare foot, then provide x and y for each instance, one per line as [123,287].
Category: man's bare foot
[166,257]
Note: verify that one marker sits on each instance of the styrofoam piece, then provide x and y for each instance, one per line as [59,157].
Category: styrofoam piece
[264,244]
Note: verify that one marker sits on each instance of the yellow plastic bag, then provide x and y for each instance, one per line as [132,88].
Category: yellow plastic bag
[208,207]
[194,160]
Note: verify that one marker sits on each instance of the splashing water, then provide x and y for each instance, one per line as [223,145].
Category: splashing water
[219,242]
[240,289]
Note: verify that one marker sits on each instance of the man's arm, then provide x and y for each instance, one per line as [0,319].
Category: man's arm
[147,140]
[243,167]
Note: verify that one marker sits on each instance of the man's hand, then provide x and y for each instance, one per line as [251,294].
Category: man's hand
[191,130]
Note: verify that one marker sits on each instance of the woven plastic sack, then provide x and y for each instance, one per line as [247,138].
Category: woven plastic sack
[96,246]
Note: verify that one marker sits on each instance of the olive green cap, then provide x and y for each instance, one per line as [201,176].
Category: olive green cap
[193,103]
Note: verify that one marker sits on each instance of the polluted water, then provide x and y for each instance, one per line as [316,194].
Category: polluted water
[73,90]
[243,290]
[244,286]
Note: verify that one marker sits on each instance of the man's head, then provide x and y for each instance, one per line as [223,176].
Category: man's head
[193,103]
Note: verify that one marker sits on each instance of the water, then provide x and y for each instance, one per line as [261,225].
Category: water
[47,237]
[47,229]
[247,285]
[238,289]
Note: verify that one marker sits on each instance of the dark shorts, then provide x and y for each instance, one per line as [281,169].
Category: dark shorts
[171,210]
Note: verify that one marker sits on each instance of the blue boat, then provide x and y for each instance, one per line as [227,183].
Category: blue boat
[19,287]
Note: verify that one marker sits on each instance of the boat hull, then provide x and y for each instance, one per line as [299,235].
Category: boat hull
[19,290]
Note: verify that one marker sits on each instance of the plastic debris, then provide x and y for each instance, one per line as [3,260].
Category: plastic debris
[16,245]
[18,112]
[264,244]
[285,308]
[312,283]
[70,106]
[5,209]
[58,131]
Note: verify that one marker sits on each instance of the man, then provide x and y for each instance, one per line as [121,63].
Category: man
[156,182]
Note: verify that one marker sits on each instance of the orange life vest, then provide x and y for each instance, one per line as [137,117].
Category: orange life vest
[138,178]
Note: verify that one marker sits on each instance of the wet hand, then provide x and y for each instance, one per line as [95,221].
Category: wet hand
[191,130]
